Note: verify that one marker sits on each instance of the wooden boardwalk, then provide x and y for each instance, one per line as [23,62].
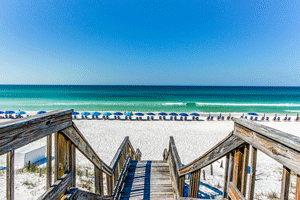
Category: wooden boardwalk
[148,179]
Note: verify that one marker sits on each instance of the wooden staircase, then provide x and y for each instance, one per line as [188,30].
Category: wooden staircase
[148,179]
[127,177]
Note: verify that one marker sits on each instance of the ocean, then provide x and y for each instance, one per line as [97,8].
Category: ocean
[150,98]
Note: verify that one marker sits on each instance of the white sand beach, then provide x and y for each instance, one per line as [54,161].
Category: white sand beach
[192,138]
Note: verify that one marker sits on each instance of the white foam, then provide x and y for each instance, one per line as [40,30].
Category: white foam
[171,104]
[250,104]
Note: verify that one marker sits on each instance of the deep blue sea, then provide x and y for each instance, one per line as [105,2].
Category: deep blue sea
[150,98]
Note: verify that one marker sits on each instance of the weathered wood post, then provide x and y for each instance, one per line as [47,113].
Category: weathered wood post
[194,183]
[98,181]
[138,154]
[49,162]
[10,170]
[252,173]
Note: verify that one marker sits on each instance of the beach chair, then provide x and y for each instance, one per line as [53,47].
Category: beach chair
[275,119]
[115,117]
[255,118]
[193,118]
[160,118]
[171,118]
[251,118]
[267,118]
[148,118]
[289,119]
[228,118]
[263,118]
[164,117]
[137,118]
[219,118]
[197,118]
[130,118]
[185,118]
[222,118]
[126,117]
[208,118]
[278,119]
[152,118]
[246,117]
[181,118]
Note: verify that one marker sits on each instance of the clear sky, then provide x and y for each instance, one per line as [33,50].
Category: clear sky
[150,42]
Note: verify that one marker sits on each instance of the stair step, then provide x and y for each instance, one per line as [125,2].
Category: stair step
[148,179]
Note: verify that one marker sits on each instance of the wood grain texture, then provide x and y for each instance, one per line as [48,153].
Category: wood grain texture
[194,184]
[85,148]
[224,147]
[17,133]
[77,194]
[49,162]
[58,188]
[286,139]
[245,169]
[226,173]
[73,165]
[109,184]
[98,181]
[285,184]
[148,180]
[297,195]
[120,183]
[56,152]
[238,167]
[234,192]
[252,173]
[10,172]
[276,150]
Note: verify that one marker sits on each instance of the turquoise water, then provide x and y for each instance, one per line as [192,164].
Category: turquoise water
[151,98]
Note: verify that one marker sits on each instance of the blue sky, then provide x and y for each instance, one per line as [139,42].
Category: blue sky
[135,42]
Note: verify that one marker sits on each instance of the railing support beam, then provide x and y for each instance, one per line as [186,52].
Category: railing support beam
[10,175]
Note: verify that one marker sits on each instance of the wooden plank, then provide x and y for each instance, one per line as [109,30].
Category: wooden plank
[194,184]
[58,188]
[17,133]
[85,148]
[226,172]
[234,192]
[77,194]
[73,165]
[238,167]
[279,152]
[49,162]
[285,184]
[175,153]
[252,173]
[297,195]
[98,181]
[109,184]
[286,139]
[120,182]
[138,154]
[245,169]
[10,170]
[181,182]
[224,147]
[231,167]
[118,154]
[56,152]
[62,157]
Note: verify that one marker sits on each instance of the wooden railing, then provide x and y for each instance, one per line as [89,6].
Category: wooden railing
[247,137]
[17,133]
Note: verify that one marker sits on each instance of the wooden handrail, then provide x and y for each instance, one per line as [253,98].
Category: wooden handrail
[224,147]
[278,145]
[20,132]
[85,148]
[115,160]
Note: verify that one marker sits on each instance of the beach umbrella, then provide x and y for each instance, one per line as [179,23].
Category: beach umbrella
[106,113]
[9,112]
[139,114]
[150,114]
[118,113]
[1,112]
[163,114]
[173,114]
[128,114]
[253,114]
[195,114]
[75,113]
[41,112]
[20,113]
[184,114]
[85,113]
[96,113]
